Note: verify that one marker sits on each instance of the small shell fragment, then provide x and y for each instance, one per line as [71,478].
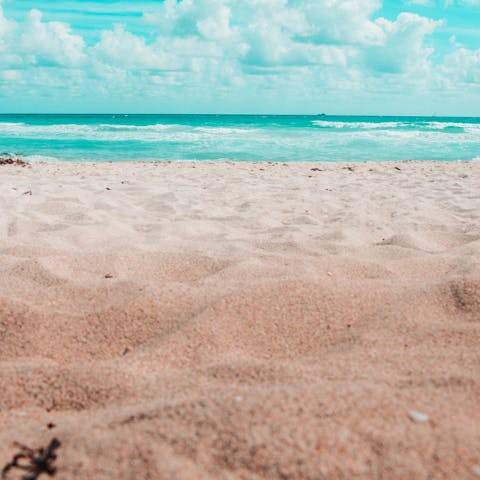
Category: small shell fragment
[418,417]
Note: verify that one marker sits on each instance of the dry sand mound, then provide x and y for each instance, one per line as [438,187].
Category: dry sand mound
[242,321]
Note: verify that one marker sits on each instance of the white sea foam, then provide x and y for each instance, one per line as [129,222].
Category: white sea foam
[340,140]
[104,132]
[361,125]
[22,129]
[394,125]
[176,132]
[40,158]
[157,126]
[81,128]
[224,130]
[115,132]
[10,124]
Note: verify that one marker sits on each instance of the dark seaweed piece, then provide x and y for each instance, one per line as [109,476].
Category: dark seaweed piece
[7,159]
[37,461]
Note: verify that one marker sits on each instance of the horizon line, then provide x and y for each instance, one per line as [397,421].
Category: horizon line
[244,114]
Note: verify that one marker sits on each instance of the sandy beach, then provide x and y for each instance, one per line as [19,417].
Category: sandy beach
[300,321]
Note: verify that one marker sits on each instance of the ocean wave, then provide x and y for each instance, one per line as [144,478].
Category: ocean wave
[117,133]
[446,127]
[157,126]
[23,128]
[224,130]
[104,132]
[453,129]
[428,138]
[279,139]
[356,125]
[9,124]
[82,129]
[176,132]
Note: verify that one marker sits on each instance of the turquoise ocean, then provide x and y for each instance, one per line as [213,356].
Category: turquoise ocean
[238,137]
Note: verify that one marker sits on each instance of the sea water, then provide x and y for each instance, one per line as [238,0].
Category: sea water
[238,137]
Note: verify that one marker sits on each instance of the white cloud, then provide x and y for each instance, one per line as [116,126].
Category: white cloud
[208,18]
[39,43]
[6,27]
[216,26]
[224,46]
[471,3]
[120,48]
[462,66]
[341,21]
[50,42]
[428,3]
[12,75]
[403,46]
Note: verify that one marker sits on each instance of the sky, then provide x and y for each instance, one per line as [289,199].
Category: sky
[372,57]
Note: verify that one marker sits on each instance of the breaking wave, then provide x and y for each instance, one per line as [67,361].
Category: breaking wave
[255,138]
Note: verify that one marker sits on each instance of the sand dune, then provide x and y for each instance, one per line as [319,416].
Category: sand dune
[242,321]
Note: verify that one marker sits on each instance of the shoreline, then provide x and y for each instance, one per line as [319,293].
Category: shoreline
[248,162]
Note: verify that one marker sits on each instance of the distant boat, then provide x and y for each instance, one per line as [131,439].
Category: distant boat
[321,114]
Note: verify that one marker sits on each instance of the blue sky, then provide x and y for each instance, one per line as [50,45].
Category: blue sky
[417,57]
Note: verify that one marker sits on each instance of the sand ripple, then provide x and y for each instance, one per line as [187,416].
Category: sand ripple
[242,321]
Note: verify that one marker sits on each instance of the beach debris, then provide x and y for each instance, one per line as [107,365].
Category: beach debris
[107,188]
[351,169]
[398,168]
[476,470]
[315,169]
[37,461]
[418,417]
[50,425]
[238,399]
[125,351]
[108,276]
[28,192]
[8,159]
